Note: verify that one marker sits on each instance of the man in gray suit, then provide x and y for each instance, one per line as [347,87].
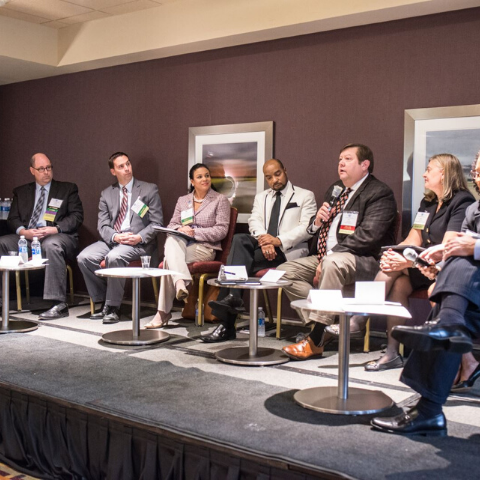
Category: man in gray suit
[128,211]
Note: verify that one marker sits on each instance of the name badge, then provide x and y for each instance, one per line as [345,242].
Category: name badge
[52,209]
[50,214]
[187,216]
[420,220]
[55,202]
[140,208]
[348,223]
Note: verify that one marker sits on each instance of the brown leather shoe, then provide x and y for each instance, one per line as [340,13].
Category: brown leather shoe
[303,350]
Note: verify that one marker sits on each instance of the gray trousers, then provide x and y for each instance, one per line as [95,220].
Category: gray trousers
[57,248]
[102,289]
[338,270]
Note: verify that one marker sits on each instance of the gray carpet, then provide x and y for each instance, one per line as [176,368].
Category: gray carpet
[249,414]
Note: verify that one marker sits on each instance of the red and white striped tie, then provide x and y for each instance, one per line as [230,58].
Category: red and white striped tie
[123,211]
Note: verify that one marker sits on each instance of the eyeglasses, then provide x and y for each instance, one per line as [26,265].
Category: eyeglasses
[474,174]
[44,169]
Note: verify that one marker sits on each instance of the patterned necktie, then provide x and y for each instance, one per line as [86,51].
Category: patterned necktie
[37,210]
[274,216]
[324,229]
[123,211]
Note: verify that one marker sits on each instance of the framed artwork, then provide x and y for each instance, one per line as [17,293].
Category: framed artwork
[235,155]
[430,131]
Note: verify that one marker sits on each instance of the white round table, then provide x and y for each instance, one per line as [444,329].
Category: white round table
[342,399]
[135,336]
[15,326]
[252,355]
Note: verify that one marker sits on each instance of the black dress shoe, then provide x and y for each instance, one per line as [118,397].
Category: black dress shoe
[220,334]
[466,385]
[434,336]
[112,315]
[412,423]
[99,315]
[229,304]
[57,311]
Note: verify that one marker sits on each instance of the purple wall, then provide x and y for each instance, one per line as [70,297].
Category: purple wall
[322,91]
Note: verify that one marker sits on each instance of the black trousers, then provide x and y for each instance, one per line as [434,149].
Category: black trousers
[246,251]
[432,373]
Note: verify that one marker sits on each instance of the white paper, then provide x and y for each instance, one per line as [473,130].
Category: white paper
[272,276]
[368,293]
[236,272]
[33,263]
[9,261]
[327,300]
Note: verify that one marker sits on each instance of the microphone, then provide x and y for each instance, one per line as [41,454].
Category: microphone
[337,191]
[412,255]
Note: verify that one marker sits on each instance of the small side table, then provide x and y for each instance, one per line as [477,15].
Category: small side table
[134,336]
[252,355]
[341,399]
[14,326]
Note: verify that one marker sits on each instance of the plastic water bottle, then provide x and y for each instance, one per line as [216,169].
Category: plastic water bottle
[36,250]
[261,322]
[22,249]
[196,315]
[2,210]
[8,202]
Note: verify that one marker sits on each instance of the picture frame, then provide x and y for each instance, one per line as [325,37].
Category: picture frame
[431,131]
[235,155]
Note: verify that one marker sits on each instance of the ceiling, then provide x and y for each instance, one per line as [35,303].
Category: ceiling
[62,13]
[42,38]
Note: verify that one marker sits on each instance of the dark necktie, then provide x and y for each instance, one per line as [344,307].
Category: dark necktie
[324,229]
[123,211]
[275,216]
[38,209]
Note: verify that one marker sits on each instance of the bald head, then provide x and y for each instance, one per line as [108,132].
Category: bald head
[275,174]
[39,156]
[41,168]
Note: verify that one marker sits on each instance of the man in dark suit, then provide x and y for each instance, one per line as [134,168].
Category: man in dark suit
[349,230]
[438,344]
[128,211]
[53,212]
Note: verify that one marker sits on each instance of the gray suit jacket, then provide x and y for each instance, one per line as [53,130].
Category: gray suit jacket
[109,207]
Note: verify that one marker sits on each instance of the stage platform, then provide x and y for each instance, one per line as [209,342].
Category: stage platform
[75,407]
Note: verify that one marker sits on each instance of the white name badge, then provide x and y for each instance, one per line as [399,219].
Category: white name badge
[140,208]
[348,223]
[420,220]
[55,202]
[187,216]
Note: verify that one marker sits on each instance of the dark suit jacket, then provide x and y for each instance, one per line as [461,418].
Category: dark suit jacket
[109,207]
[69,216]
[377,211]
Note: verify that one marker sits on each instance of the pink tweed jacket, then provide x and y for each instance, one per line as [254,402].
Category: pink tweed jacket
[211,219]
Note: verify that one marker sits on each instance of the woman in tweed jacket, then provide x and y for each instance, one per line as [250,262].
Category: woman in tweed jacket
[204,215]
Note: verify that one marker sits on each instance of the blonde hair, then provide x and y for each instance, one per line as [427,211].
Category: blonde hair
[453,177]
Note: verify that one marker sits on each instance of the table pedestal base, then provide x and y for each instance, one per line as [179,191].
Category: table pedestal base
[125,337]
[19,326]
[359,402]
[241,356]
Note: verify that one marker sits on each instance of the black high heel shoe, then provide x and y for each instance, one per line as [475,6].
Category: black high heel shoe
[467,385]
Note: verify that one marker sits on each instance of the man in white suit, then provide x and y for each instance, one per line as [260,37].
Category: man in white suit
[278,232]
[128,211]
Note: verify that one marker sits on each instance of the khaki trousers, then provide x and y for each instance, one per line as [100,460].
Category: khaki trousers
[177,256]
[338,270]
